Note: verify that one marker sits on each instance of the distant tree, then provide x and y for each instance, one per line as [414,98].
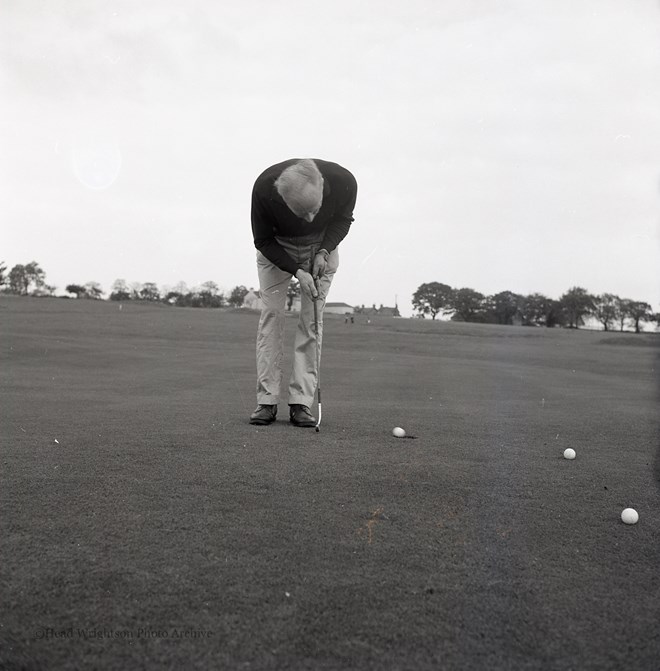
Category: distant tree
[292,293]
[504,306]
[149,292]
[577,303]
[120,291]
[18,281]
[135,290]
[93,290]
[179,295]
[640,312]
[76,289]
[237,295]
[195,299]
[623,307]
[175,298]
[36,276]
[467,305]
[210,296]
[537,310]
[532,309]
[554,314]
[210,288]
[605,309]
[433,298]
[4,279]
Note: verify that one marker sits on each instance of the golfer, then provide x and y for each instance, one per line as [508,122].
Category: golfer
[301,210]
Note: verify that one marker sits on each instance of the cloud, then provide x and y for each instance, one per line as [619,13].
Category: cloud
[503,128]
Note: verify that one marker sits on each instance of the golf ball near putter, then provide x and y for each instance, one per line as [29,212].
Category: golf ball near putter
[398,432]
[569,453]
[629,516]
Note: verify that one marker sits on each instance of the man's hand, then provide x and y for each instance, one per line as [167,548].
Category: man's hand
[319,264]
[307,284]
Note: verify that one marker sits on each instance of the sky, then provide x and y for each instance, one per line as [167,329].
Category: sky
[497,144]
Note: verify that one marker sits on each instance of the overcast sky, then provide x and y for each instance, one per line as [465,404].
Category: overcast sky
[497,144]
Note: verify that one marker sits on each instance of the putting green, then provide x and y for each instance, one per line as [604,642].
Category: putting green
[160,509]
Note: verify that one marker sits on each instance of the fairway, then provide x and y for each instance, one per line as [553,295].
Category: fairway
[146,524]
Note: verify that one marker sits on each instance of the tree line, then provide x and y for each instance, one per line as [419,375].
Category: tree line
[506,307]
[208,295]
[30,280]
[433,298]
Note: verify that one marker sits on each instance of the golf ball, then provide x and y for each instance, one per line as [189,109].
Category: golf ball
[569,453]
[630,516]
[398,432]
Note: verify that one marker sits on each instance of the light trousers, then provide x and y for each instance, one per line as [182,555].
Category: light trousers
[273,285]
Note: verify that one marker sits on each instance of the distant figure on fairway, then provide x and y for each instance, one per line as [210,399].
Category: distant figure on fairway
[301,210]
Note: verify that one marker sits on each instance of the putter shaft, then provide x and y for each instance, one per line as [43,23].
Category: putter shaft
[318,358]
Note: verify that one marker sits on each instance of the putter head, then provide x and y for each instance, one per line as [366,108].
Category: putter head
[317,429]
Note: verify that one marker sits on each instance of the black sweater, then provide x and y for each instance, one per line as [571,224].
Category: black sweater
[271,216]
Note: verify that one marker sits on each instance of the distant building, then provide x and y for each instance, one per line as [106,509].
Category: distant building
[382,311]
[339,309]
[252,300]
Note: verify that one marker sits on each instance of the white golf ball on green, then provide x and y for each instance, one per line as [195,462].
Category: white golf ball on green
[569,453]
[398,432]
[629,516]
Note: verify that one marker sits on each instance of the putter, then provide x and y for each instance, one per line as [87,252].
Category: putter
[318,358]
